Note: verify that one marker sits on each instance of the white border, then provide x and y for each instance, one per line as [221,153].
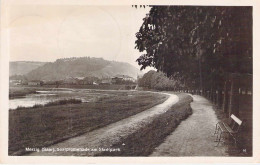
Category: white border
[4,74]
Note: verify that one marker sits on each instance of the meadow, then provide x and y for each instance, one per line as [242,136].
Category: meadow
[42,126]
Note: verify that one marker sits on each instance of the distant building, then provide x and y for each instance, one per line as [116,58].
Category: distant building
[106,81]
[15,82]
[35,82]
[70,81]
[120,78]
[90,80]
[79,78]
[51,82]
[24,82]
[117,80]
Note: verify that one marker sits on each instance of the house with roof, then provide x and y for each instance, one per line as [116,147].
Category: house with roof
[89,80]
[121,78]
[106,81]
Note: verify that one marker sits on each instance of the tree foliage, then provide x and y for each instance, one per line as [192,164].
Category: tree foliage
[158,81]
[194,44]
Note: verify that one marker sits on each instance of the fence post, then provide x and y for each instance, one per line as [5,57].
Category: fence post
[234,98]
[214,97]
[225,97]
[211,94]
[219,95]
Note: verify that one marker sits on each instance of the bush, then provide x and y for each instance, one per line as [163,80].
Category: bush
[63,102]
[156,80]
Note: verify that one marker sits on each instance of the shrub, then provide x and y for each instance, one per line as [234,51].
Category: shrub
[157,80]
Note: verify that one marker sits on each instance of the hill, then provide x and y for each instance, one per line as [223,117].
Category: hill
[81,67]
[23,67]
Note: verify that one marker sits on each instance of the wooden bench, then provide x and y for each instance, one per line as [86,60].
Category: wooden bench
[231,128]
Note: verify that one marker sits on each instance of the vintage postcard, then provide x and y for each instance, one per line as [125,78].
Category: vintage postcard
[129,81]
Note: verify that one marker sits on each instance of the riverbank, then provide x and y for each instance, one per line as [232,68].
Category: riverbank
[26,89]
[100,86]
[18,92]
[44,126]
[23,90]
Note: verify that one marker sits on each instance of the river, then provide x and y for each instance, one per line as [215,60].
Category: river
[48,95]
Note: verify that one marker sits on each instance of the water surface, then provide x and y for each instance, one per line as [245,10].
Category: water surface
[48,95]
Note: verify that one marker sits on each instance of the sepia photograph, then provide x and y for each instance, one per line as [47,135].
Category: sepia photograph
[130,80]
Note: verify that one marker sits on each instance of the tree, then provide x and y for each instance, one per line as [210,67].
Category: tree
[197,45]
[158,81]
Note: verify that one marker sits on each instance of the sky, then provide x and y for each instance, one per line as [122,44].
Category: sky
[49,32]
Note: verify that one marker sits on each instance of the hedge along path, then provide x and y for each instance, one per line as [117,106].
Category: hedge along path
[106,136]
[194,136]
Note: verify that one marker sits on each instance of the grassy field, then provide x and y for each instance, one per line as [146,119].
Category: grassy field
[43,126]
[145,140]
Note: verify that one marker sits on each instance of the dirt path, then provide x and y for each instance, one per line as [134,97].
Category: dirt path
[193,137]
[110,134]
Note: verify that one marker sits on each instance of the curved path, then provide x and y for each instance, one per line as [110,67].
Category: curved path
[193,137]
[110,134]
